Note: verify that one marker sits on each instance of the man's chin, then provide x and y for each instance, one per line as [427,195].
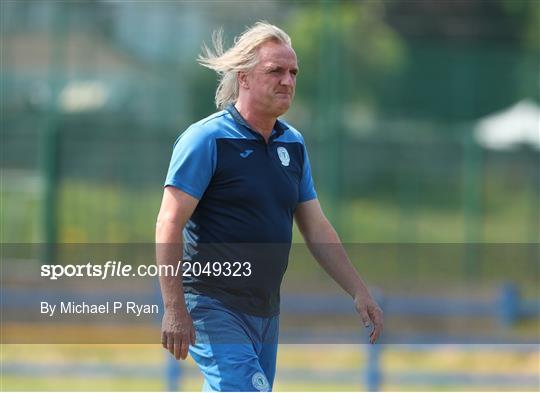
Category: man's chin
[283,107]
[281,111]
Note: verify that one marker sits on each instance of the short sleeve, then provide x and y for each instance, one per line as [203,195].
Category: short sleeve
[193,162]
[307,189]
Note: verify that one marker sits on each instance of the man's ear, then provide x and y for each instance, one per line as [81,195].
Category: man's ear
[243,79]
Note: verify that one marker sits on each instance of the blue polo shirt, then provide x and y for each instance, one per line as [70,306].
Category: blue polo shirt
[248,191]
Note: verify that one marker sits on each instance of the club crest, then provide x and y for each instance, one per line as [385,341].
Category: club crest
[260,382]
[283,155]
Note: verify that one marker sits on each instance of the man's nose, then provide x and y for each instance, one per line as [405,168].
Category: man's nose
[288,80]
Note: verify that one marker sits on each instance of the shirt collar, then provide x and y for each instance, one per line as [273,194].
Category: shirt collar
[279,127]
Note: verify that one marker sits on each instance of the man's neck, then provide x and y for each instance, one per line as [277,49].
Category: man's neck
[262,123]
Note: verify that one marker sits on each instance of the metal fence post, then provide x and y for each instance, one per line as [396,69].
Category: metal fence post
[509,304]
[472,205]
[50,135]
[329,117]
[173,373]
[373,368]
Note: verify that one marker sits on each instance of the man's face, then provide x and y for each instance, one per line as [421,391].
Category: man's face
[272,81]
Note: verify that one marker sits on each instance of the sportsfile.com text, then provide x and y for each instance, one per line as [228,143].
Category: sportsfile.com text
[121,269]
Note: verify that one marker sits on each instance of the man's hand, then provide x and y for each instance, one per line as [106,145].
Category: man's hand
[177,332]
[371,313]
[326,247]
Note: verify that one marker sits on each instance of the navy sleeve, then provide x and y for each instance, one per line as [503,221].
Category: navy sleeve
[307,189]
[193,162]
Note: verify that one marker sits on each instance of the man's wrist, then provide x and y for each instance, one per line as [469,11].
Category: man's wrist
[175,306]
[361,293]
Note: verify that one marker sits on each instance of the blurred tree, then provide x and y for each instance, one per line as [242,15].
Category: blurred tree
[443,61]
[368,48]
[526,13]
[466,58]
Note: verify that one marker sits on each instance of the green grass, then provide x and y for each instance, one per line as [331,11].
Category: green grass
[81,384]
[109,213]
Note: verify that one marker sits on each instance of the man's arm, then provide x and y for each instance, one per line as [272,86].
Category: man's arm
[177,330]
[325,245]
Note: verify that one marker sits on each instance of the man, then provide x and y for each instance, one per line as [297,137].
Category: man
[235,182]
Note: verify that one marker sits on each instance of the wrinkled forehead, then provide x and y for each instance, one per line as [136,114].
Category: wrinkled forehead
[274,53]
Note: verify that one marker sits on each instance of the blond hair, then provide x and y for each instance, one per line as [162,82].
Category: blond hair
[242,56]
